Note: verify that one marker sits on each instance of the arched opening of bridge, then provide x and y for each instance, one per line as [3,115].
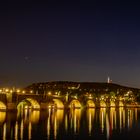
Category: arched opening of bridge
[2,106]
[75,104]
[90,104]
[121,104]
[102,104]
[112,104]
[58,104]
[28,103]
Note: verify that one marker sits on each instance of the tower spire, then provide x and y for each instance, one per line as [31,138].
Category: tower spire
[109,80]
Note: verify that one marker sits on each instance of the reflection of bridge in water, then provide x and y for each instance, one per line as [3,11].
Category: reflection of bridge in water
[106,120]
[35,101]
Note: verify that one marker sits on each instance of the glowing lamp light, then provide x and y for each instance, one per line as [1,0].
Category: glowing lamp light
[49,93]
[18,90]
[31,91]
[49,106]
[75,97]
[7,90]
[11,91]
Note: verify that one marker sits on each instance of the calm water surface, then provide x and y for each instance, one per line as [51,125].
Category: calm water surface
[92,124]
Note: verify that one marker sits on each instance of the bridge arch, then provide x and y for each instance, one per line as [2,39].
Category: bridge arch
[58,104]
[121,104]
[75,104]
[102,103]
[29,102]
[112,104]
[2,106]
[90,104]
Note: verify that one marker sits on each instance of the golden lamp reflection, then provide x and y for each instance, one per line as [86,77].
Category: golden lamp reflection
[108,120]
[55,118]
[21,129]
[75,116]
[102,116]
[4,131]
[121,118]
[107,126]
[34,116]
[113,120]
[131,117]
[58,118]
[30,130]
[16,130]
[66,122]
[90,117]
[48,123]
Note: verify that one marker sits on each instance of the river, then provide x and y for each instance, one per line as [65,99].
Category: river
[81,124]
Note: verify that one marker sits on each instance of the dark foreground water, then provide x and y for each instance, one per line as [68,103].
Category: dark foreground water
[81,124]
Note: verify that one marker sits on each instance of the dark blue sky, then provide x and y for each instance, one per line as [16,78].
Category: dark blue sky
[74,41]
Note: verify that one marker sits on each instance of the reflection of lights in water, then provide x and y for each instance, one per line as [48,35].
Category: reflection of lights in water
[2,117]
[136,119]
[130,118]
[128,123]
[48,124]
[59,114]
[58,117]
[123,118]
[106,118]
[75,124]
[26,114]
[113,117]
[102,118]
[55,127]
[89,124]
[120,116]
[77,115]
[107,127]
[115,120]
[71,116]
[4,131]
[34,116]
[75,119]
[16,131]
[66,122]
[90,116]
[21,129]
[30,131]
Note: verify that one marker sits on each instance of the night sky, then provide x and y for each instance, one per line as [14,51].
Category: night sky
[72,41]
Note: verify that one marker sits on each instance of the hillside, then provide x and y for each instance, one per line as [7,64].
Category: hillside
[80,86]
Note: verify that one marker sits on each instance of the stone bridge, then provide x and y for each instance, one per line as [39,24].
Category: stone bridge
[14,101]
